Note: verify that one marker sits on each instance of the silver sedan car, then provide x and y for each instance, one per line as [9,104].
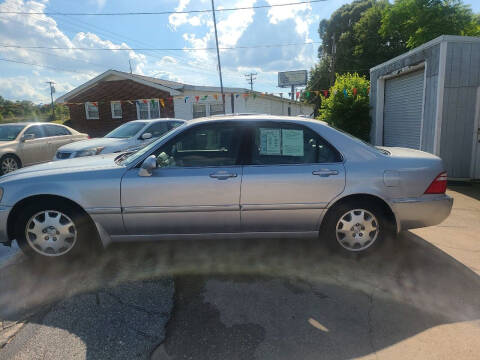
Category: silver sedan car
[249,176]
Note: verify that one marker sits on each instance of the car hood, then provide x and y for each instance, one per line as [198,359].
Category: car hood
[6,143]
[110,145]
[67,166]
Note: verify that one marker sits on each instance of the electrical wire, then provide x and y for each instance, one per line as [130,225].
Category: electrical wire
[158,49]
[168,12]
[42,66]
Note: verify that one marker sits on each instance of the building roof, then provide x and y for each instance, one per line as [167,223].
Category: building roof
[436,41]
[172,87]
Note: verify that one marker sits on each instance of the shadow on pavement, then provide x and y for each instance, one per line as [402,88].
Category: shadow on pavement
[467,188]
[234,299]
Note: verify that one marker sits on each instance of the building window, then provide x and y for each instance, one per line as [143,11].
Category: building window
[116,107]
[91,110]
[216,109]
[148,109]
[199,110]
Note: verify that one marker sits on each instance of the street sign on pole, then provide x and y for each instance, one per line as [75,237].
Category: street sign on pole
[292,78]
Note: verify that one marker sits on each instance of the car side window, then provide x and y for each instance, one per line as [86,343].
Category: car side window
[55,130]
[203,145]
[157,129]
[283,143]
[36,130]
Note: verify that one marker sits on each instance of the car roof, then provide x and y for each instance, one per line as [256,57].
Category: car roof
[25,123]
[157,120]
[256,117]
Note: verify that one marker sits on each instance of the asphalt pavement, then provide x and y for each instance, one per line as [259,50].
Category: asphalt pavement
[417,297]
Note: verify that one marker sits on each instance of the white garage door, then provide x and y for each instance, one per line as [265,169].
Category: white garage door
[402,118]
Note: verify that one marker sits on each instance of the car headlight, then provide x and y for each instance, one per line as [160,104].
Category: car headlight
[90,152]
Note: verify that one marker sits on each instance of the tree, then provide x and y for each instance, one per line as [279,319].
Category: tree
[347,107]
[415,22]
[371,47]
[339,39]
[319,80]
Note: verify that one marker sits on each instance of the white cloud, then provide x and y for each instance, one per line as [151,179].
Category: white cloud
[42,30]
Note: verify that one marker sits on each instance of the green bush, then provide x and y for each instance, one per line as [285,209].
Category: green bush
[347,105]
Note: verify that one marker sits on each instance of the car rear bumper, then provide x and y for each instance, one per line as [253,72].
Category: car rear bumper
[428,210]
[4,211]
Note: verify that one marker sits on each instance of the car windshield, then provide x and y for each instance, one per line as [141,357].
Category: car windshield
[10,132]
[135,155]
[126,130]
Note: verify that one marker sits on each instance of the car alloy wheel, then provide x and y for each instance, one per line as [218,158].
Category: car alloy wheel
[357,230]
[51,233]
[9,164]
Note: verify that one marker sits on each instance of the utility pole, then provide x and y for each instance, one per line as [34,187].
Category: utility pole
[218,56]
[52,90]
[250,79]
[130,64]
[334,51]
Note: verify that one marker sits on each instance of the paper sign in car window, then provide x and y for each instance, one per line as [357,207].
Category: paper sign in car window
[270,141]
[292,142]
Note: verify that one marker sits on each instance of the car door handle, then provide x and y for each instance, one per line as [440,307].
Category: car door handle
[325,172]
[222,175]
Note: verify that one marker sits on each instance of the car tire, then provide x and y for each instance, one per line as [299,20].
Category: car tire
[55,230]
[356,227]
[9,163]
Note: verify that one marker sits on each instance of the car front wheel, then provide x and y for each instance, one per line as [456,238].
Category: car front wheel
[54,230]
[356,228]
[8,163]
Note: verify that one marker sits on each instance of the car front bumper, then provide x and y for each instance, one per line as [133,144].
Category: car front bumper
[4,211]
[428,210]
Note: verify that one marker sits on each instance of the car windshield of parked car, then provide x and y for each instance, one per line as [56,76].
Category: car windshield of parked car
[126,130]
[10,132]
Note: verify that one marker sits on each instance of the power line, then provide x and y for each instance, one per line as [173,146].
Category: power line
[168,12]
[158,49]
[42,66]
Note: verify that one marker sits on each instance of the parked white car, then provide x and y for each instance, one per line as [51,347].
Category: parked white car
[131,135]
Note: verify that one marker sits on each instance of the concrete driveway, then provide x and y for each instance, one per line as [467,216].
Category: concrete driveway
[271,299]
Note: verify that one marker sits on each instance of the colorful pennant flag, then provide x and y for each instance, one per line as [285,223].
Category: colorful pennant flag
[297,95]
[215,96]
[325,93]
[186,99]
[345,94]
[354,90]
[162,102]
[197,98]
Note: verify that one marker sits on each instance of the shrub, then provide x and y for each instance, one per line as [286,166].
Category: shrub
[347,105]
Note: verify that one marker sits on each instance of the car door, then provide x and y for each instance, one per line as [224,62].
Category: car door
[56,136]
[195,189]
[33,151]
[291,176]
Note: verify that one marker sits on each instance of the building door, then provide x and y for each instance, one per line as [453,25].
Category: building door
[402,117]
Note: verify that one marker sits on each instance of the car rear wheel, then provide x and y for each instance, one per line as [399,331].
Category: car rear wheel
[356,228]
[54,230]
[9,163]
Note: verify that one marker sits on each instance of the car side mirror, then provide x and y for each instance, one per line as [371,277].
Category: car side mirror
[146,136]
[26,137]
[148,165]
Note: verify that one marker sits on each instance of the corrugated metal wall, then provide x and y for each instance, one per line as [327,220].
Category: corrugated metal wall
[462,78]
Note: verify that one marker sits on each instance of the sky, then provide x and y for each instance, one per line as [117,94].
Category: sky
[70,68]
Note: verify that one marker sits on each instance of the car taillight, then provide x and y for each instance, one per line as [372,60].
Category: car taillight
[439,185]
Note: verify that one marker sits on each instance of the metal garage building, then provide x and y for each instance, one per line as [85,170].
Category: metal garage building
[429,99]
